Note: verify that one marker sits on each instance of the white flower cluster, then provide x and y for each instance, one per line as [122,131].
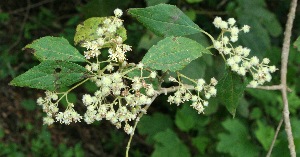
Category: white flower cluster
[119,98]
[49,105]
[128,99]
[238,57]
[184,93]
[107,33]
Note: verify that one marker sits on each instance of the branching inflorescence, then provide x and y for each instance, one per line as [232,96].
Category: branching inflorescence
[122,96]
[237,58]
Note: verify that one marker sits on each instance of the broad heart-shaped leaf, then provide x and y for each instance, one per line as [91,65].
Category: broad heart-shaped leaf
[55,48]
[230,89]
[87,31]
[165,20]
[173,53]
[151,125]
[51,75]
[265,134]
[297,43]
[186,118]
[236,142]
[168,144]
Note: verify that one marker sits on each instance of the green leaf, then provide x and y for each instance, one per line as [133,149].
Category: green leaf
[194,1]
[173,53]
[51,75]
[263,24]
[191,14]
[165,20]
[87,30]
[55,48]
[230,89]
[264,134]
[186,118]
[150,125]
[148,40]
[297,43]
[155,2]
[168,144]
[236,142]
[200,143]
[28,104]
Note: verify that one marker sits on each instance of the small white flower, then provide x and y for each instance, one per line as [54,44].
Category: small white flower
[231,21]
[246,28]
[212,91]
[200,82]
[272,69]
[110,67]
[153,74]
[95,66]
[213,81]
[234,31]
[48,120]
[223,25]
[118,12]
[266,60]
[87,99]
[40,101]
[253,84]
[140,65]
[100,31]
[217,22]
[242,71]
[171,99]
[254,61]
[217,45]
[234,38]
[194,98]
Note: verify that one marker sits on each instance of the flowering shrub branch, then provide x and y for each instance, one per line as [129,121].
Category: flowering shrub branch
[126,90]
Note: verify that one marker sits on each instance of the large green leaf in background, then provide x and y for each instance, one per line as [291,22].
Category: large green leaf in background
[51,75]
[230,89]
[186,117]
[236,142]
[87,30]
[165,20]
[297,43]
[151,125]
[168,144]
[265,134]
[55,48]
[263,24]
[173,53]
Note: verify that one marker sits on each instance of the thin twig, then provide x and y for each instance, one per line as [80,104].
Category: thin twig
[273,87]
[161,91]
[136,122]
[30,7]
[275,137]
[284,62]
[22,27]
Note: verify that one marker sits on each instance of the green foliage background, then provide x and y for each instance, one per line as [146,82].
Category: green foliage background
[166,130]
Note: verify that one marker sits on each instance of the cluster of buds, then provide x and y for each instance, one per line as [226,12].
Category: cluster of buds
[127,100]
[50,106]
[107,33]
[119,98]
[185,93]
[238,57]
